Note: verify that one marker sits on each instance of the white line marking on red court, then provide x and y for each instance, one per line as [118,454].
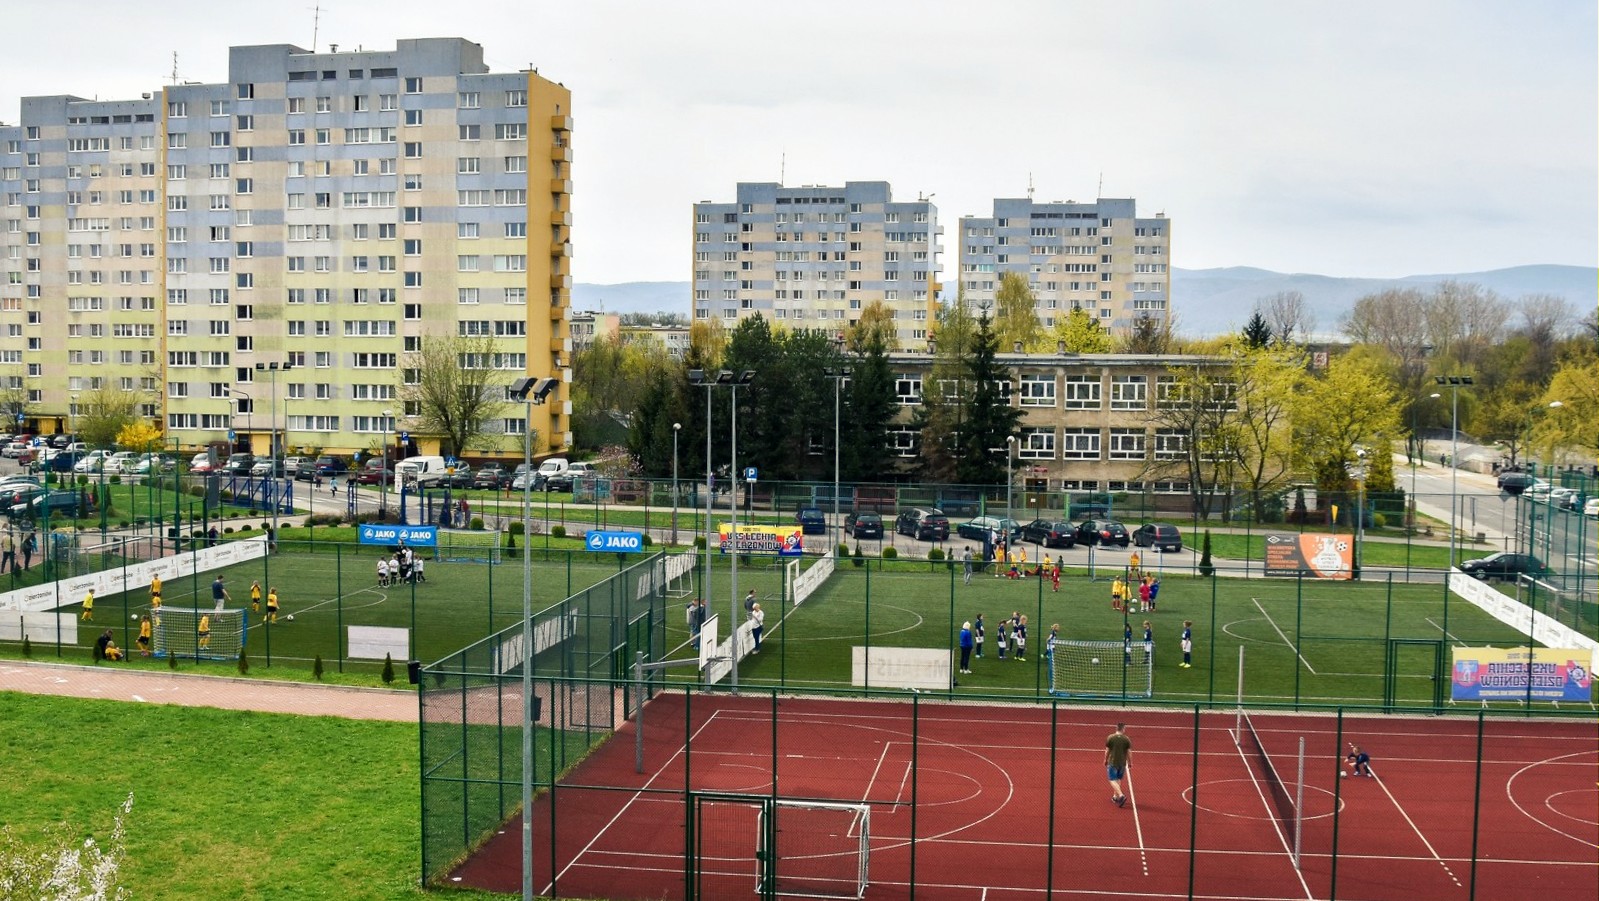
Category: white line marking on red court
[1138,826]
[1384,786]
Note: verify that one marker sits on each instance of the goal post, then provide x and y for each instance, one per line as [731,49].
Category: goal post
[1100,669]
[817,849]
[177,631]
[804,849]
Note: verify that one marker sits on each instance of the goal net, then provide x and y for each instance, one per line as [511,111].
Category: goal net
[178,632]
[1100,669]
[815,849]
[468,546]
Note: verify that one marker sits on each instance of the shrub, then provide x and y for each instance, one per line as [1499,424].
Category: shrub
[244,664]
[1206,568]
[842,552]
[858,558]
[476,524]
[558,531]
[388,669]
[699,542]
[27,647]
[172,660]
[1379,520]
[516,528]
[647,540]
[316,668]
[935,555]
[889,553]
[227,530]
[116,480]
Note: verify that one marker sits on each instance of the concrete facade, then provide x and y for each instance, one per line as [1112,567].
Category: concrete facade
[327,211]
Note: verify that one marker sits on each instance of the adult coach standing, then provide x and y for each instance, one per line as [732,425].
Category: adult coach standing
[219,594]
[966,647]
[1118,747]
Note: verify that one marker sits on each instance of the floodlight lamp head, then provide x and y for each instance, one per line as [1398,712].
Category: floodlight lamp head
[522,387]
[543,388]
[696,376]
[747,376]
[724,377]
[677,426]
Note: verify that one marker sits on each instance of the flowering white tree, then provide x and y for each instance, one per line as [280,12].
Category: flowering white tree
[57,867]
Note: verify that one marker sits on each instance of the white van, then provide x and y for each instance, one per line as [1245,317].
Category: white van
[419,472]
[551,467]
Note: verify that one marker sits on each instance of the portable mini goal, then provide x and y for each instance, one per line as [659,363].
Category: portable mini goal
[802,849]
[176,631]
[1100,669]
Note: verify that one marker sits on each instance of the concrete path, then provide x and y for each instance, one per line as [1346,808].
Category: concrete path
[111,682]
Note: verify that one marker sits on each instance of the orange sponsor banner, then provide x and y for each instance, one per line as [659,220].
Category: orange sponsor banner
[1314,555]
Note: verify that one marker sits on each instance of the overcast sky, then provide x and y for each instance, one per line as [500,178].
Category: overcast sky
[1372,138]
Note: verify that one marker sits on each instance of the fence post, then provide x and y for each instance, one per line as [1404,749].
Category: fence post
[1476,810]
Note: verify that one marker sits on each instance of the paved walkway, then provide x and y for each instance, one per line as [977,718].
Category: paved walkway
[111,682]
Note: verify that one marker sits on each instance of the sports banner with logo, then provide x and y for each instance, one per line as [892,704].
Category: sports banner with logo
[1315,555]
[784,541]
[1502,674]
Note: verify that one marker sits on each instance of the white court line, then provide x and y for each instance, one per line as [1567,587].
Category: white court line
[1283,637]
[1447,634]
[867,794]
[1271,815]
[1441,862]
[1138,826]
[624,808]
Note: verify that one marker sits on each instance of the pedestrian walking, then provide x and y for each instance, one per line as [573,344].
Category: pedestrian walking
[966,566]
[758,618]
[9,557]
[1118,748]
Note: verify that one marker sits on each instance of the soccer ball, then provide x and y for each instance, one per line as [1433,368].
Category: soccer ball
[133,616]
[1095,660]
[290,617]
[1342,774]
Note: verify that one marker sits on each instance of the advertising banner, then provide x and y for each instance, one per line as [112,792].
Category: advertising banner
[1317,556]
[1502,674]
[784,541]
[391,534]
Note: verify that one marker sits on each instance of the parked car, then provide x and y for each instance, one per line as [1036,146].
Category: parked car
[492,476]
[522,475]
[200,463]
[328,465]
[1565,498]
[117,461]
[292,465]
[976,529]
[375,472]
[1502,565]
[14,493]
[1513,481]
[1158,535]
[1050,533]
[52,504]
[1539,488]
[1102,531]
[265,468]
[923,524]
[566,478]
[550,467]
[151,463]
[61,439]
[864,525]
[812,521]
[460,476]
[90,462]
[1591,508]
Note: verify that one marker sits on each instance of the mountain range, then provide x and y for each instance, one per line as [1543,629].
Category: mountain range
[1208,301]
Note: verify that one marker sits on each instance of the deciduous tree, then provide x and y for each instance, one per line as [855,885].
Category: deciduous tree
[457,384]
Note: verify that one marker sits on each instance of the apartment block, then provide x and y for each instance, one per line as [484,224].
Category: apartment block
[1099,257]
[327,212]
[813,257]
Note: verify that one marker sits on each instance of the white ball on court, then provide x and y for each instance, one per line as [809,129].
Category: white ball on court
[1342,774]
[290,617]
[1095,660]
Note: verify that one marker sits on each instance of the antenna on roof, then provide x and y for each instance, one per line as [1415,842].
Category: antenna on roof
[174,67]
[782,167]
[316,24]
[1100,191]
[1029,186]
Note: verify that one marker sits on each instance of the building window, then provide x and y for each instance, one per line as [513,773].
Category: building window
[1080,444]
[1170,444]
[908,389]
[1037,444]
[1127,444]
[1038,391]
[1082,392]
[1129,392]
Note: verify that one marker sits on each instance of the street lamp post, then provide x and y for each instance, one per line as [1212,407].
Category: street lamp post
[275,449]
[732,381]
[529,391]
[677,428]
[383,475]
[1419,449]
[1454,383]
[838,376]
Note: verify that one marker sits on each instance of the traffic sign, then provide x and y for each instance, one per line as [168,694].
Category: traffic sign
[232,436]
[749,473]
[602,540]
[405,436]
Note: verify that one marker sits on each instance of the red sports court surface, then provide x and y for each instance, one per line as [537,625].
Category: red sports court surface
[973,784]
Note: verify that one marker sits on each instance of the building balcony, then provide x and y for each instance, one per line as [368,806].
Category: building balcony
[560,154]
[560,186]
[561,280]
[561,123]
[561,217]
[561,250]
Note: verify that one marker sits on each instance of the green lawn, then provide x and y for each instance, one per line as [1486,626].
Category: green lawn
[227,805]
[1320,641]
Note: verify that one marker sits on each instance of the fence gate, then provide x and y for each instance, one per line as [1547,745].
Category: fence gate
[1410,661]
[729,839]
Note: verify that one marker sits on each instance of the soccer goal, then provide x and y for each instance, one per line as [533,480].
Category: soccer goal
[469,546]
[177,631]
[817,849]
[1100,669]
[805,849]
